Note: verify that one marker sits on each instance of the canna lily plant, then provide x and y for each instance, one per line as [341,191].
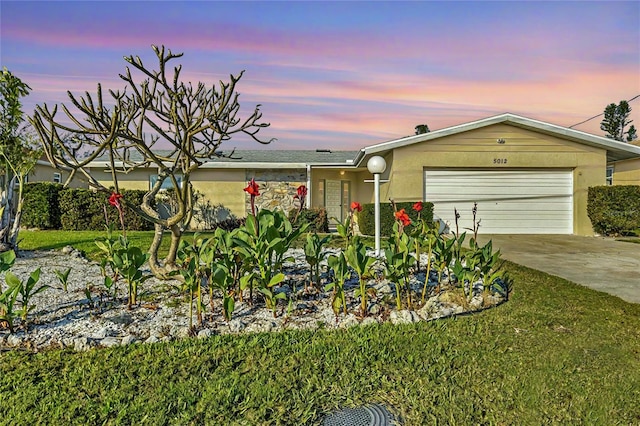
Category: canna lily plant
[262,245]
[301,196]
[356,256]
[253,190]
[346,229]
[125,260]
[314,254]
[341,273]
[399,261]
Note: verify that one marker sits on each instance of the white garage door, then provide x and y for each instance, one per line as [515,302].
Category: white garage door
[509,201]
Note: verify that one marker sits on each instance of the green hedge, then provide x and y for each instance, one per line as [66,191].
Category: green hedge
[614,209]
[316,218]
[41,205]
[366,218]
[83,209]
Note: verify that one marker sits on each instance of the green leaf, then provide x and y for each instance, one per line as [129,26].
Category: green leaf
[102,246]
[7,259]
[276,279]
[12,280]
[228,305]
[35,276]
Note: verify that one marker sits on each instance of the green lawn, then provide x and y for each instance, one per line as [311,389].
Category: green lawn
[556,353]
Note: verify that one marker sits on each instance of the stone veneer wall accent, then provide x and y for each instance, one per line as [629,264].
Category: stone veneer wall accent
[277,188]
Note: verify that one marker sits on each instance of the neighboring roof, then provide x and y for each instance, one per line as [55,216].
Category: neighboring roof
[265,158]
[615,150]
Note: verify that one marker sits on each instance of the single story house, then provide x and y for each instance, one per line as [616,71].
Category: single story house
[526,176]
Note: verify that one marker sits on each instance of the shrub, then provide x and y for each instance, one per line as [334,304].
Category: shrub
[41,205]
[316,218]
[84,209]
[614,209]
[366,218]
[230,223]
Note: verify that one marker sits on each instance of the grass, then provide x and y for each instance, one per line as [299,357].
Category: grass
[85,240]
[556,353]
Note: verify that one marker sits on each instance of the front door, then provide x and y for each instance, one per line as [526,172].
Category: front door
[337,200]
[333,201]
[345,190]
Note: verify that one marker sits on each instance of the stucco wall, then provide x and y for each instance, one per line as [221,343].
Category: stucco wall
[44,173]
[479,149]
[222,187]
[626,172]
[138,179]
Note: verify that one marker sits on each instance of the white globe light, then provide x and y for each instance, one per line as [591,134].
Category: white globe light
[376,165]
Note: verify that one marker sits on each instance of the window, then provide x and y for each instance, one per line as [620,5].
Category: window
[57,178]
[166,184]
[321,199]
[609,178]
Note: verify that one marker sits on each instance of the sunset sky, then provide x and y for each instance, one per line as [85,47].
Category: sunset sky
[343,75]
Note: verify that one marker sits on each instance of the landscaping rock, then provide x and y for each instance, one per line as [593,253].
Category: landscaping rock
[476,303]
[205,333]
[236,325]
[349,321]
[152,339]
[110,342]
[444,312]
[374,309]
[14,340]
[383,288]
[82,344]
[369,321]
[71,319]
[403,317]
[128,340]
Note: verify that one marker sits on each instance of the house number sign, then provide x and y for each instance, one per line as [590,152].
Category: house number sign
[499,161]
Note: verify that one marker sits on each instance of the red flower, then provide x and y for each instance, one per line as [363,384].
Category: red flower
[403,217]
[301,192]
[114,200]
[418,206]
[355,206]
[252,188]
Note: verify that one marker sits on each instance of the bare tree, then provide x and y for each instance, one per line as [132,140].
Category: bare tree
[189,122]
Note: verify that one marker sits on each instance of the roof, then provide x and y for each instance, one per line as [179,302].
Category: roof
[298,159]
[615,150]
[264,158]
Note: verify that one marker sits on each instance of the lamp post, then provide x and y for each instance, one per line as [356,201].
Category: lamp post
[376,165]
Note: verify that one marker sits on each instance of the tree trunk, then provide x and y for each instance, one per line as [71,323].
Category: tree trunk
[162,271]
[5,221]
[15,228]
[154,265]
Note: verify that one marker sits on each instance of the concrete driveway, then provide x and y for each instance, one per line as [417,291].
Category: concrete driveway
[599,263]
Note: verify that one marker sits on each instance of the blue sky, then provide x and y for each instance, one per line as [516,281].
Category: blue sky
[343,75]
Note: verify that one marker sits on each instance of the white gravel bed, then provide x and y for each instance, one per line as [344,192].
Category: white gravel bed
[70,319]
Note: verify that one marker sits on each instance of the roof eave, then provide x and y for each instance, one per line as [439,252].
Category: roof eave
[615,150]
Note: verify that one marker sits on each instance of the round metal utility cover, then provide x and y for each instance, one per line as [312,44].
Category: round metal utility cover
[371,415]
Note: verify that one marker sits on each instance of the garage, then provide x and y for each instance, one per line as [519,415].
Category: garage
[509,201]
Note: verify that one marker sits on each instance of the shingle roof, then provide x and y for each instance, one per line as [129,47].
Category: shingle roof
[294,157]
[290,156]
